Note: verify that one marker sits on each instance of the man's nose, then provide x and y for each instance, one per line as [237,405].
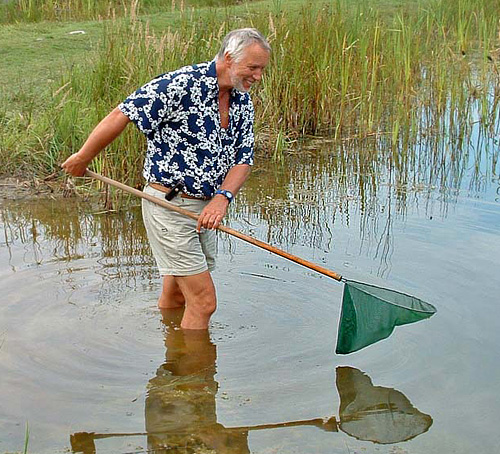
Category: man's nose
[257,75]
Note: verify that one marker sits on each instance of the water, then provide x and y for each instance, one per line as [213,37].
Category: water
[90,364]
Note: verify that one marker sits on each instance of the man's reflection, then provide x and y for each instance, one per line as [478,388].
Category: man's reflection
[180,404]
[180,408]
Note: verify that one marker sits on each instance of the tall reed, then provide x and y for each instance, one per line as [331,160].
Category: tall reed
[336,71]
[79,10]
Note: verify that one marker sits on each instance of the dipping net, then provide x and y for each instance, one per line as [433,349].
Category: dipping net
[371,313]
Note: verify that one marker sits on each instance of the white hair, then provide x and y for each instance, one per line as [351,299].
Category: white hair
[236,41]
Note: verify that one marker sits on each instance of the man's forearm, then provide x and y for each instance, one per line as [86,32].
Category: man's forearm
[103,134]
[236,178]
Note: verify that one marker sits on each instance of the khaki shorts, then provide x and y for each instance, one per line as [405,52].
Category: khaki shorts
[177,248]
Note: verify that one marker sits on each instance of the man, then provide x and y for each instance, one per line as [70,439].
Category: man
[198,121]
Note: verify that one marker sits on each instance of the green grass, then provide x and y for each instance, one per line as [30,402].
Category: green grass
[15,11]
[40,57]
[26,439]
[34,55]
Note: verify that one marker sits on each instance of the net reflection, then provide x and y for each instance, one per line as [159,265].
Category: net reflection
[180,406]
[375,413]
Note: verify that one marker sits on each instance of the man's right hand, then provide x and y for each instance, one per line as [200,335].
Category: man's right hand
[75,165]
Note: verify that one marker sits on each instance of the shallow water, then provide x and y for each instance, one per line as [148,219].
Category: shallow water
[90,364]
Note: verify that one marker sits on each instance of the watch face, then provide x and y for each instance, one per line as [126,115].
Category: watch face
[227,194]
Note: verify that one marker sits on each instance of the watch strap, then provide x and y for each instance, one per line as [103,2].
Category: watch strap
[227,194]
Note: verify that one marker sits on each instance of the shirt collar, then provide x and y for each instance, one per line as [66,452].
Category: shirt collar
[212,75]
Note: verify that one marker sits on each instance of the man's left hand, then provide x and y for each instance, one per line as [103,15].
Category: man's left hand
[213,213]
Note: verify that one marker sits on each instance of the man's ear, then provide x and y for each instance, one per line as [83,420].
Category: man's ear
[228,60]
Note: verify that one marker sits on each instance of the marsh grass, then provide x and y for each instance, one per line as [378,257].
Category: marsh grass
[12,11]
[26,439]
[337,71]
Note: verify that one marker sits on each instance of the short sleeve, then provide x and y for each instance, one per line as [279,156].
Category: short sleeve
[151,104]
[245,136]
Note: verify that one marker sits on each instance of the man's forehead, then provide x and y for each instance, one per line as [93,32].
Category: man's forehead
[255,50]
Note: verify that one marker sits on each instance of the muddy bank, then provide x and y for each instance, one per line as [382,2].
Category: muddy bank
[22,188]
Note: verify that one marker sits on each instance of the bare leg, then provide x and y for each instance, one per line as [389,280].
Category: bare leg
[172,317]
[171,296]
[201,301]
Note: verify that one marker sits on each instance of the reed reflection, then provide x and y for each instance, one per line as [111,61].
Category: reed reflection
[367,185]
[67,230]
[180,407]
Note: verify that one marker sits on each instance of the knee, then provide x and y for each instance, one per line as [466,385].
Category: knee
[199,291]
[206,304]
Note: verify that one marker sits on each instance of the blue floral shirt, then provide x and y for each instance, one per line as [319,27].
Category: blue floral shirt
[178,112]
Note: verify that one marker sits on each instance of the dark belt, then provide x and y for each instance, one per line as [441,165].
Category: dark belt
[167,190]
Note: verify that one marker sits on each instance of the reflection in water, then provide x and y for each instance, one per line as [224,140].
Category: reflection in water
[180,407]
[369,186]
[371,182]
[72,225]
[69,230]
[374,413]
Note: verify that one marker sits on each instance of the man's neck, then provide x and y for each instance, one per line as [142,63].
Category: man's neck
[223,79]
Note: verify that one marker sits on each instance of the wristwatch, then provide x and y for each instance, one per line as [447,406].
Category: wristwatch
[227,194]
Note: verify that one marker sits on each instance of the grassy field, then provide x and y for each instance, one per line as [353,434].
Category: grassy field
[339,69]
[71,10]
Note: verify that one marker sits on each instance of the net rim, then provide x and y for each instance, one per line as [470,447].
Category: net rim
[432,310]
